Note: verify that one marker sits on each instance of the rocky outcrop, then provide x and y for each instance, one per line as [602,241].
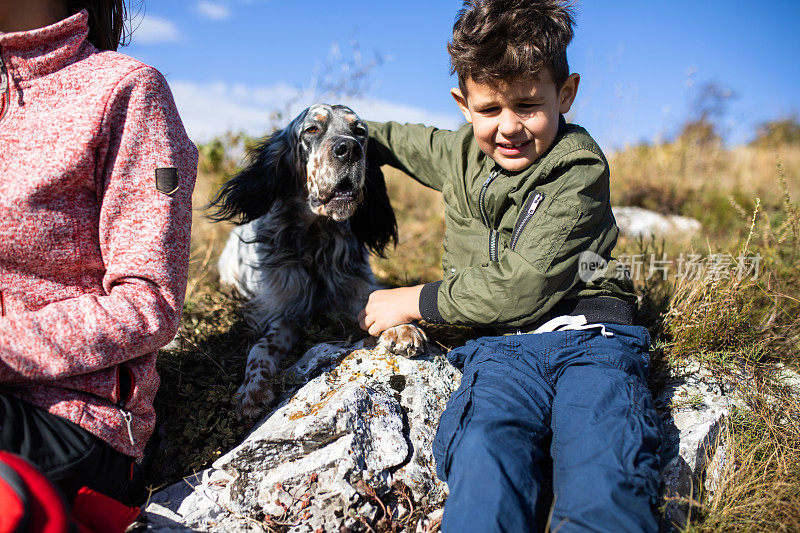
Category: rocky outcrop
[694,406]
[362,425]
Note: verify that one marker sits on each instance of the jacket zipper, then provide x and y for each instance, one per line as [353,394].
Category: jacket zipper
[494,236]
[120,405]
[5,96]
[126,415]
[2,305]
[533,205]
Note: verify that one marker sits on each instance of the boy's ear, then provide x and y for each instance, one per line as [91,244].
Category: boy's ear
[568,92]
[461,100]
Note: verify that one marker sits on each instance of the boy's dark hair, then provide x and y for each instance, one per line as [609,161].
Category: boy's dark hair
[106,21]
[497,40]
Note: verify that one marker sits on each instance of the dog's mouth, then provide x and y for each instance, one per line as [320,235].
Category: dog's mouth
[343,192]
[342,195]
[340,203]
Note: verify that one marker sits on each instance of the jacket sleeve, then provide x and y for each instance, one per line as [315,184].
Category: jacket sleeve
[543,267]
[144,242]
[425,153]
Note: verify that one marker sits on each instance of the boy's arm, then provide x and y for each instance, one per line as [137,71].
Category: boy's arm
[527,281]
[425,153]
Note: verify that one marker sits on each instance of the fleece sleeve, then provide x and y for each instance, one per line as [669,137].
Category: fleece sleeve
[543,265]
[425,153]
[144,173]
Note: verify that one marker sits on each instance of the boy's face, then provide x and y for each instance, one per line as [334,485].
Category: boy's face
[516,121]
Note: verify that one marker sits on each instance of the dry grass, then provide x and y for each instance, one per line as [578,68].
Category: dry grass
[420,220]
[747,170]
[716,310]
[742,325]
[724,320]
[760,476]
[705,181]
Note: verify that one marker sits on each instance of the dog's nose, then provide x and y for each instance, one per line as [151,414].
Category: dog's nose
[348,151]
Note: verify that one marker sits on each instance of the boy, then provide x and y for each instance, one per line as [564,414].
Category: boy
[527,209]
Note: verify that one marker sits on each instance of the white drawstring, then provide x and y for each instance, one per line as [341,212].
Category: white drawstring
[569,322]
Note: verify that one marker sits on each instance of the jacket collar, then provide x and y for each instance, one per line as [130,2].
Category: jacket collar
[35,53]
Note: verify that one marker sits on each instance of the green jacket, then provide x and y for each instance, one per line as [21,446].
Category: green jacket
[514,241]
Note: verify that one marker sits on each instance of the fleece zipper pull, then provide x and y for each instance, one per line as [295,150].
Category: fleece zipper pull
[124,392]
[5,97]
[128,417]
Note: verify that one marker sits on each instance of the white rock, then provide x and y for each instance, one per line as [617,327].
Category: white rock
[787,377]
[694,408]
[637,221]
[430,522]
[716,470]
[364,421]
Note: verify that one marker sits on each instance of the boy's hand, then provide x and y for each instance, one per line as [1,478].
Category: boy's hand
[390,307]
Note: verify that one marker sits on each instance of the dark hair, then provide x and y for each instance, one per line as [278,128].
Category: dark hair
[106,21]
[496,40]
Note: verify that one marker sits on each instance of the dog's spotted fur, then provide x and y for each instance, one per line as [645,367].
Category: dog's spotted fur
[309,207]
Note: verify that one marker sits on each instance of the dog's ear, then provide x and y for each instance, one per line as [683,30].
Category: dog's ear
[269,175]
[374,223]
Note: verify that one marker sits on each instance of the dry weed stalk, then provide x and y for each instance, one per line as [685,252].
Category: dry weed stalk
[390,519]
[715,310]
[708,314]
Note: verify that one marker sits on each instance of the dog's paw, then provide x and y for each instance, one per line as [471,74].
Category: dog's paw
[407,340]
[253,396]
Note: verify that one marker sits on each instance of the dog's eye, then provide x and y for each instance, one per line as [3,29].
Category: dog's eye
[311,130]
[360,131]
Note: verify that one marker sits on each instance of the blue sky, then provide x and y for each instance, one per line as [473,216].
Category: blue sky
[232,64]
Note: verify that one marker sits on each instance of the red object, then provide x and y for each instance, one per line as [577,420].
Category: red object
[27,496]
[94,512]
[30,503]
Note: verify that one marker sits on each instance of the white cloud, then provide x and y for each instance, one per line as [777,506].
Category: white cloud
[212,109]
[155,30]
[213,10]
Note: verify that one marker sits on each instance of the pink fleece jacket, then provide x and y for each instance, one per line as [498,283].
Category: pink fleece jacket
[93,247]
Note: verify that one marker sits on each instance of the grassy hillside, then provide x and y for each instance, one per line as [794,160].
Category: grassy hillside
[744,197]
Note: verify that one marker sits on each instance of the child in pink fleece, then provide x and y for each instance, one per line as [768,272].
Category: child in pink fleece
[96,177]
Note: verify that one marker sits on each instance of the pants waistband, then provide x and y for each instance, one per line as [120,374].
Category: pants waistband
[597,309]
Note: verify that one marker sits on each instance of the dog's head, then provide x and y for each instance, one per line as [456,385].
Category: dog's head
[331,147]
[320,157]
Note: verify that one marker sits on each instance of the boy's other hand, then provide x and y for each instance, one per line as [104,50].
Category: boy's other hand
[390,307]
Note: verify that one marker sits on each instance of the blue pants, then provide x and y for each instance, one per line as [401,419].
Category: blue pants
[582,393]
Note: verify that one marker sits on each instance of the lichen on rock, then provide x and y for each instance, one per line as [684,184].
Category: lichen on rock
[365,419]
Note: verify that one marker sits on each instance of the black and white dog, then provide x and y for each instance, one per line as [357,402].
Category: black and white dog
[309,208]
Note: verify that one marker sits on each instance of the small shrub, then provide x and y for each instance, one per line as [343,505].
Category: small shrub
[712,313]
[222,155]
